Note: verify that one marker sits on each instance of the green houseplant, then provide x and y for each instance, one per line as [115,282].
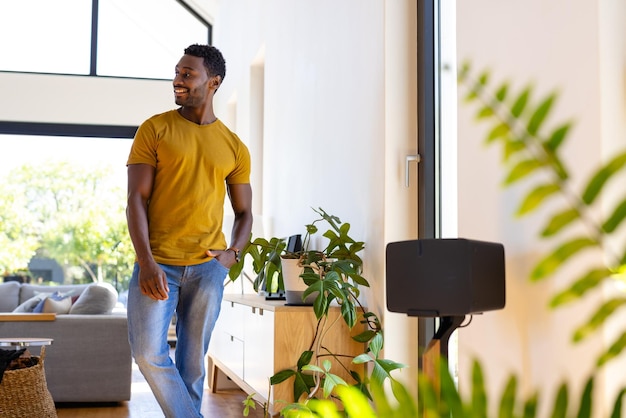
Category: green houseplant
[529,148]
[267,255]
[333,278]
[531,153]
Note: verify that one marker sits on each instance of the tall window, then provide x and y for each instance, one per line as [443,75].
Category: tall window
[135,38]
[62,200]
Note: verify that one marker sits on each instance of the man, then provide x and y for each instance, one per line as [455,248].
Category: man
[181,165]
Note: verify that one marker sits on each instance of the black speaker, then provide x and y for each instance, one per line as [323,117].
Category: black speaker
[445,277]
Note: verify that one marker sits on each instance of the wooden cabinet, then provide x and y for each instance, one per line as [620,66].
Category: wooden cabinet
[254,338]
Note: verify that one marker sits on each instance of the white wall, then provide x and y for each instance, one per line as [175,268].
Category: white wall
[555,45]
[80,99]
[339,119]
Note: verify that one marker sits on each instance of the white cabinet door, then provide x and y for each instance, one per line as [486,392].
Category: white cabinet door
[259,349]
[227,340]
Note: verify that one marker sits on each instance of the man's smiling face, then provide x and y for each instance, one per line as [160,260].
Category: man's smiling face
[191,82]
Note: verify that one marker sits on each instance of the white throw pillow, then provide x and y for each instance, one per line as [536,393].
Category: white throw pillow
[30,304]
[96,299]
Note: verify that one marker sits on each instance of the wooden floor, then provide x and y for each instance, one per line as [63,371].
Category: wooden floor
[223,404]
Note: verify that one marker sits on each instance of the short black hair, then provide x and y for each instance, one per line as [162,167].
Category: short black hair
[213,59]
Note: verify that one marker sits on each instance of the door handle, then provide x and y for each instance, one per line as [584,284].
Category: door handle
[409,158]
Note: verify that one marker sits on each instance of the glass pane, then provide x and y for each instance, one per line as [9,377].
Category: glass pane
[145,38]
[45,36]
[62,205]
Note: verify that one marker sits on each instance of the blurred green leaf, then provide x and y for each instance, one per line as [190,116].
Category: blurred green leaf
[500,130]
[483,78]
[599,179]
[557,137]
[617,405]
[599,317]
[589,281]
[521,170]
[560,221]
[479,395]
[512,147]
[502,92]
[485,112]
[559,409]
[584,411]
[540,114]
[614,350]
[508,398]
[536,197]
[355,403]
[520,103]
[530,406]
[548,265]
[449,391]
[616,218]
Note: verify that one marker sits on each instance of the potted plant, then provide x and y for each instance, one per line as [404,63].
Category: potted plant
[331,277]
[272,259]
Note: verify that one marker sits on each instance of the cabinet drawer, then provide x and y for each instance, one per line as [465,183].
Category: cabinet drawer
[232,318]
[229,350]
[259,349]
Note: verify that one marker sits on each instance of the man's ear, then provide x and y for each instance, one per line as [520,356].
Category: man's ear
[215,81]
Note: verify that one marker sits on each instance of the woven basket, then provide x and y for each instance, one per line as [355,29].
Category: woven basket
[24,393]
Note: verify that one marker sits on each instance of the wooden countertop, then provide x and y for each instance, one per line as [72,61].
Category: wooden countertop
[15,317]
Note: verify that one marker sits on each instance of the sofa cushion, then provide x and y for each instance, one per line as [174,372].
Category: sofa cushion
[30,304]
[9,296]
[30,290]
[96,299]
[59,303]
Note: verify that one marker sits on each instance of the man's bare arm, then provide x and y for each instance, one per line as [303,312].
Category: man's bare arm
[152,280]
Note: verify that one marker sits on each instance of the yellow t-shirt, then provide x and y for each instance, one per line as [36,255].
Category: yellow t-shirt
[193,165]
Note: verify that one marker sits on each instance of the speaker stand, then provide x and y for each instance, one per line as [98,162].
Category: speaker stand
[438,347]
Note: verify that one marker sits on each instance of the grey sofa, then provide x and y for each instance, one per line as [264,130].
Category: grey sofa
[89,360]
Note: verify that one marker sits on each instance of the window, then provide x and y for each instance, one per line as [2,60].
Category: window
[145,38]
[45,36]
[135,38]
[62,200]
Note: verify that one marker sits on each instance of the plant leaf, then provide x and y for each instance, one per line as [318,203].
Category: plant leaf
[530,407]
[281,376]
[501,92]
[540,115]
[599,179]
[449,391]
[520,103]
[485,112]
[305,358]
[365,336]
[613,351]
[500,130]
[507,401]
[553,261]
[429,398]
[560,221]
[521,170]
[587,282]
[483,78]
[584,411]
[617,406]
[616,218]
[560,403]
[479,395]
[512,147]
[598,318]
[330,382]
[557,137]
[537,196]
[355,403]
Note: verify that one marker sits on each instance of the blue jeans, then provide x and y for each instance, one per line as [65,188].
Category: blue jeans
[195,295]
